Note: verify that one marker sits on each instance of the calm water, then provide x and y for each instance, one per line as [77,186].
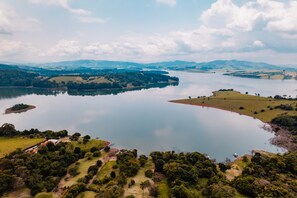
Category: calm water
[146,121]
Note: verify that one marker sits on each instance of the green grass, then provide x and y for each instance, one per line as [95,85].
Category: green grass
[79,79]
[87,146]
[139,178]
[83,167]
[232,101]
[163,190]
[8,145]
[87,194]
[44,195]
[106,170]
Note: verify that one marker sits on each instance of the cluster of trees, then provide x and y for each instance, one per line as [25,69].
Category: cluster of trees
[226,89]
[40,172]
[264,175]
[9,130]
[184,170]
[128,163]
[287,122]
[24,79]
[267,176]
[285,107]
[284,97]
[19,107]
[117,80]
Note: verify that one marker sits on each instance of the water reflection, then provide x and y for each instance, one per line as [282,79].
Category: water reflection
[143,119]
[6,93]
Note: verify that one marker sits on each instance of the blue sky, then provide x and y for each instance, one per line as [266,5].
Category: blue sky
[148,30]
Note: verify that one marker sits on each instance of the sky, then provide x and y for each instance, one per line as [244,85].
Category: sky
[148,30]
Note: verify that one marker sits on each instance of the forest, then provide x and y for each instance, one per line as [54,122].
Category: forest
[114,81]
[166,174]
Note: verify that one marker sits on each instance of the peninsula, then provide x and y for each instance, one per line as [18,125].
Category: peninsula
[280,112]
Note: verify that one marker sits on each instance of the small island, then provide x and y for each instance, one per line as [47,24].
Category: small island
[19,108]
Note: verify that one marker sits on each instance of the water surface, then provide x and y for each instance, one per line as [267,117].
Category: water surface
[145,119]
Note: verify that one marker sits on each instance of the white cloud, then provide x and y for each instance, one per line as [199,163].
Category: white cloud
[10,48]
[65,48]
[83,15]
[11,22]
[258,43]
[226,29]
[167,2]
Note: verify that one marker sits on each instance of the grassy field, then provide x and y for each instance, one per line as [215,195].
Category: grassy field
[45,195]
[78,79]
[258,107]
[83,167]
[163,190]
[7,145]
[140,177]
[106,170]
[87,194]
[87,146]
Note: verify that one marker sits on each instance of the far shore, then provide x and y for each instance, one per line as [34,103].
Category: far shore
[9,110]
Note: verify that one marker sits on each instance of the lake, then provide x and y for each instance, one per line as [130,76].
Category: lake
[145,119]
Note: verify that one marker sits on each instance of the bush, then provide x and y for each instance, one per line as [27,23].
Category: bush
[73,171]
[149,173]
[99,163]
[96,154]
[93,149]
[113,174]
[88,155]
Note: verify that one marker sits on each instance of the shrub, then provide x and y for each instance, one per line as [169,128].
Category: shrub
[149,173]
[93,149]
[96,154]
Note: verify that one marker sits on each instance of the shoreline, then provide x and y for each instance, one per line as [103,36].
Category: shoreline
[282,137]
[9,111]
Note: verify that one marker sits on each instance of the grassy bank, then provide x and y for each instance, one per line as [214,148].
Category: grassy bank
[262,108]
[8,145]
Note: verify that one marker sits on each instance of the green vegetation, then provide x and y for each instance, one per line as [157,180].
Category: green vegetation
[87,194]
[86,147]
[269,176]
[106,170]
[277,74]
[19,108]
[80,168]
[8,145]
[245,104]
[104,81]
[279,110]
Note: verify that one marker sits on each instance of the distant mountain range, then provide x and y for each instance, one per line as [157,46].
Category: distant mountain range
[91,65]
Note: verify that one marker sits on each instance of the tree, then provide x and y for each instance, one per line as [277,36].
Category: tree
[113,174]
[6,183]
[8,130]
[159,165]
[86,139]
[75,136]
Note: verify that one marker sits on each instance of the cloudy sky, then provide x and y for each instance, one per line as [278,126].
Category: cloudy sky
[148,30]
